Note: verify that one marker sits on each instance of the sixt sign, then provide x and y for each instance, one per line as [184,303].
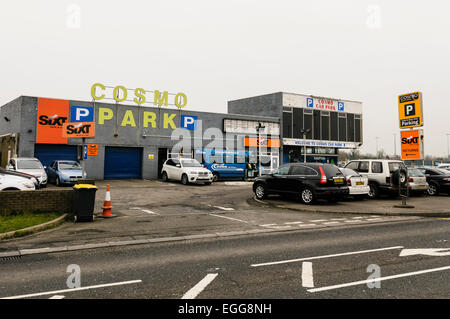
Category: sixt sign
[81,129]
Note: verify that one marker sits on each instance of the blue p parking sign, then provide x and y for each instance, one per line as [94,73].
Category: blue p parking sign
[189,122]
[309,102]
[82,114]
[341,106]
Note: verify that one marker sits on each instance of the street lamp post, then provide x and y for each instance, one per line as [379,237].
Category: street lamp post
[258,129]
[448,149]
[304,132]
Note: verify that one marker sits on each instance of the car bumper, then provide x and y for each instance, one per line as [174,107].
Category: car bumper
[361,190]
[418,187]
[200,179]
[332,191]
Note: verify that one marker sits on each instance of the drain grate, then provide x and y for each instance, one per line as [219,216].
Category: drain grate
[10,258]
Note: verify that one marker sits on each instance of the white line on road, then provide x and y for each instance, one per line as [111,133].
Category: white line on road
[239,220]
[307,274]
[318,220]
[198,288]
[307,225]
[293,223]
[352,221]
[362,282]
[74,289]
[359,217]
[268,225]
[224,208]
[57,297]
[325,256]
[149,212]
[331,223]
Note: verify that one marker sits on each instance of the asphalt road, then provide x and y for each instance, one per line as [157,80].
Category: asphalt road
[317,263]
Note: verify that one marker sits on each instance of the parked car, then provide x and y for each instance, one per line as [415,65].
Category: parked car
[417,182]
[29,165]
[358,184]
[186,170]
[15,182]
[33,179]
[438,180]
[64,172]
[383,174]
[445,166]
[309,181]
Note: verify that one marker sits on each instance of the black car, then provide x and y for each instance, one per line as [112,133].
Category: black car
[437,179]
[309,181]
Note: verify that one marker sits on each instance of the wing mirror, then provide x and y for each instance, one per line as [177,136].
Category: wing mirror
[178,165]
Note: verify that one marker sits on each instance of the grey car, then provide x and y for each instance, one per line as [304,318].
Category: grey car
[417,182]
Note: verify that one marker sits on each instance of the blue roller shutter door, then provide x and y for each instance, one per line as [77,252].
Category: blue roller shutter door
[123,163]
[48,153]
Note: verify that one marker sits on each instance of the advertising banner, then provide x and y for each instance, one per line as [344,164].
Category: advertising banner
[52,114]
[410,110]
[82,129]
[264,142]
[411,142]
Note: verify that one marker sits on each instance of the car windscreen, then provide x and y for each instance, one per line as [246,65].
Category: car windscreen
[331,170]
[191,163]
[349,172]
[69,166]
[414,172]
[442,171]
[29,164]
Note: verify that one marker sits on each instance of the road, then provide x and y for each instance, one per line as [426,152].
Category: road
[309,263]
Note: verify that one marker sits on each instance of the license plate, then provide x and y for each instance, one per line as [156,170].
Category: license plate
[359,183]
[422,186]
[339,180]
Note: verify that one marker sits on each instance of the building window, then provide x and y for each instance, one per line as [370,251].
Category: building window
[297,119]
[308,122]
[316,125]
[287,124]
[334,126]
[342,127]
[325,124]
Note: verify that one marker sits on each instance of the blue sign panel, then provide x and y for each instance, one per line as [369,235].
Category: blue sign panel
[309,102]
[189,122]
[341,106]
[82,114]
[85,151]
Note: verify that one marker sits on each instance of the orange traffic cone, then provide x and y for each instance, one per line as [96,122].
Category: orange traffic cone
[107,204]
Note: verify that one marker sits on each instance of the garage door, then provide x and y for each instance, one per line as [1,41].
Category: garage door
[123,162]
[48,153]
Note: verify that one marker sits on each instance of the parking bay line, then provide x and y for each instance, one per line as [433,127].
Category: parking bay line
[199,287]
[149,212]
[362,282]
[74,289]
[231,218]
[325,256]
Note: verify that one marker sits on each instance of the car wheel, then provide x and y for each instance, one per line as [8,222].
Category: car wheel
[57,181]
[215,177]
[373,191]
[165,178]
[433,190]
[184,179]
[260,191]
[307,196]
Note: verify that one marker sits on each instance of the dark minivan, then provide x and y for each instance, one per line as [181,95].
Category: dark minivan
[309,181]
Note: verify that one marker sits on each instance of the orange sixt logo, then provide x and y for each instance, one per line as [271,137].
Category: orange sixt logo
[53,120]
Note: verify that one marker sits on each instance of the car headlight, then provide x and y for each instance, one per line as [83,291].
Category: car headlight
[28,185]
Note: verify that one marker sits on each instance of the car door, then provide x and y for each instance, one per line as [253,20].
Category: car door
[297,177]
[176,169]
[276,182]
[51,172]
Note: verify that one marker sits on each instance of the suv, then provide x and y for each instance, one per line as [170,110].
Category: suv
[381,174]
[309,181]
[186,170]
[29,165]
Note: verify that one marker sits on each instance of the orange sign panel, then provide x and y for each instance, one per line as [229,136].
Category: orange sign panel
[411,143]
[52,114]
[78,129]
[92,149]
[263,142]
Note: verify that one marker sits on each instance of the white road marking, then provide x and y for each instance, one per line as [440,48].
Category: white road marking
[352,221]
[307,225]
[307,275]
[372,219]
[74,289]
[268,225]
[231,218]
[318,220]
[57,297]
[426,251]
[224,208]
[135,208]
[362,282]
[331,223]
[149,212]
[293,223]
[359,217]
[338,218]
[325,256]
[198,288]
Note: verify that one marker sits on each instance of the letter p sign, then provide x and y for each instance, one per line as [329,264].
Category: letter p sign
[189,122]
[82,114]
[410,109]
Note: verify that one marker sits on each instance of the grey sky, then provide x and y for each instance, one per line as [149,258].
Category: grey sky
[369,51]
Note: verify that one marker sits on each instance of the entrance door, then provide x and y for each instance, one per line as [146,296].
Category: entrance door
[162,157]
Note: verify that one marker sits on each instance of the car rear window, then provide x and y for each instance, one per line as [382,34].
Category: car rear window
[414,172]
[393,166]
[331,170]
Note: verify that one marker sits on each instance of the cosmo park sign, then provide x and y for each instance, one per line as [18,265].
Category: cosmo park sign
[140,96]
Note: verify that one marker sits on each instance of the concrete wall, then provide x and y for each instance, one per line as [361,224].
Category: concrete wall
[269,105]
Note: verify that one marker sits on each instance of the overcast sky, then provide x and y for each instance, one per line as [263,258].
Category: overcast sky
[216,51]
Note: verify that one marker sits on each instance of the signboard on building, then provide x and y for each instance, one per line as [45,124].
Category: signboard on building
[410,110]
[318,143]
[82,129]
[261,142]
[325,104]
[92,149]
[52,115]
[412,144]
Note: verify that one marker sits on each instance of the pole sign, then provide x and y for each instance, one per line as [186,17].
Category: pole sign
[410,110]
[412,144]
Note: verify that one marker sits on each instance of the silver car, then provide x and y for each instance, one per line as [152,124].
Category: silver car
[417,181]
[358,185]
[29,165]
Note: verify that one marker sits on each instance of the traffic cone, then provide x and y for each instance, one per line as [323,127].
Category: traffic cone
[107,204]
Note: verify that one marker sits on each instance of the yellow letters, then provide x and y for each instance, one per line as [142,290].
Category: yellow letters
[168,120]
[104,114]
[177,102]
[160,100]
[95,97]
[140,97]
[116,93]
[149,117]
[128,119]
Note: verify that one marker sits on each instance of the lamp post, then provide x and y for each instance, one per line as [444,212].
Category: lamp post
[258,129]
[304,132]
[448,149]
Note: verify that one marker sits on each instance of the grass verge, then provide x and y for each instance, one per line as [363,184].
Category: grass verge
[20,221]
